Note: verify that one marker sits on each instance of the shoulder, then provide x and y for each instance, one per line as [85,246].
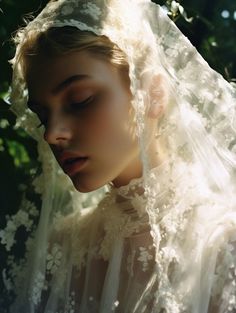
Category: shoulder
[75,223]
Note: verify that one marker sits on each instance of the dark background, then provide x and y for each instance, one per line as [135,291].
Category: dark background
[212,30]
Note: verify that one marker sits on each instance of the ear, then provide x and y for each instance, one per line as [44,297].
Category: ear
[158,96]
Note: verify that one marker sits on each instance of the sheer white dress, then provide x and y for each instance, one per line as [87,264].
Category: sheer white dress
[109,255]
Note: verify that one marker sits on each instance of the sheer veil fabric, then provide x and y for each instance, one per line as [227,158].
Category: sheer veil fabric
[166,241]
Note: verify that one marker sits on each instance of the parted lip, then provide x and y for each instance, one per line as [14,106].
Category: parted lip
[67,156]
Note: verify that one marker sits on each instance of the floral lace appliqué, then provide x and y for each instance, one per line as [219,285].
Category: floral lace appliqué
[24,217]
[38,287]
[70,306]
[66,10]
[91,9]
[54,259]
[145,257]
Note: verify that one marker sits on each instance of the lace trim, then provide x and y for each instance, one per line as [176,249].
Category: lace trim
[135,186]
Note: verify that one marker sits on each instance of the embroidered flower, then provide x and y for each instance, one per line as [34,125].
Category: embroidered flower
[70,305]
[232,303]
[22,218]
[7,236]
[38,184]
[91,9]
[139,203]
[54,259]
[66,10]
[145,257]
[184,152]
[38,287]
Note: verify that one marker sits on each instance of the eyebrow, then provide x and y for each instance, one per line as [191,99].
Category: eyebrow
[69,81]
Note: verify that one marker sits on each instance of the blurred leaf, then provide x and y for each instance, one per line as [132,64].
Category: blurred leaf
[18,152]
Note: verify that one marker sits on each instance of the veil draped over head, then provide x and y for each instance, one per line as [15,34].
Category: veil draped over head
[188,201]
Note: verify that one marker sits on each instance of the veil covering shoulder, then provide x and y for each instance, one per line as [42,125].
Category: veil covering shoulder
[166,241]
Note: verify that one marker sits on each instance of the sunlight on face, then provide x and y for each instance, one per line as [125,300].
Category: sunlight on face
[89,123]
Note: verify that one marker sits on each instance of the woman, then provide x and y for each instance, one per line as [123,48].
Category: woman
[127,105]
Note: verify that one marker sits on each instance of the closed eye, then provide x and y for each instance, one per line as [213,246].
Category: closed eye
[83,104]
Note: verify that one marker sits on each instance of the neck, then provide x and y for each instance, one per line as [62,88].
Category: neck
[135,168]
[132,170]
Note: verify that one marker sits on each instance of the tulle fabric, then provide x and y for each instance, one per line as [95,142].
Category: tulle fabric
[165,242]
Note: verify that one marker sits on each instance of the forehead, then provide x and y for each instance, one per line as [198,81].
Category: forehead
[45,74]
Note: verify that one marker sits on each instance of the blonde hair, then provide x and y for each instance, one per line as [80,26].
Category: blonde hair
[57,41]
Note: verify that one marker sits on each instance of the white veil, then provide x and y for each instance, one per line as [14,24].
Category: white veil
[193,229]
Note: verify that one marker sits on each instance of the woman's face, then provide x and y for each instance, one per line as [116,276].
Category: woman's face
[89,123]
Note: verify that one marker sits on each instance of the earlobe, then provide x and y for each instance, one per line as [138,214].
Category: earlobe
[158,96]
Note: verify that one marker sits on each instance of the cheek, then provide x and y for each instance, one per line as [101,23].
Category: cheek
[109,127]
[115,138]
[113,125]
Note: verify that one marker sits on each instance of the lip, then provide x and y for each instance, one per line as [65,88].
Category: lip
[76,166]
[71,163]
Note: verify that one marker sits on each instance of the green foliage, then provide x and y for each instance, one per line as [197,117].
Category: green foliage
[17,151]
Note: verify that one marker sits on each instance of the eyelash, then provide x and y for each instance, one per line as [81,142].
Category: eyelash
[78,105]
[83,104]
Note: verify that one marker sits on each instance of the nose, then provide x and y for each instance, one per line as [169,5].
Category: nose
[58,131]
